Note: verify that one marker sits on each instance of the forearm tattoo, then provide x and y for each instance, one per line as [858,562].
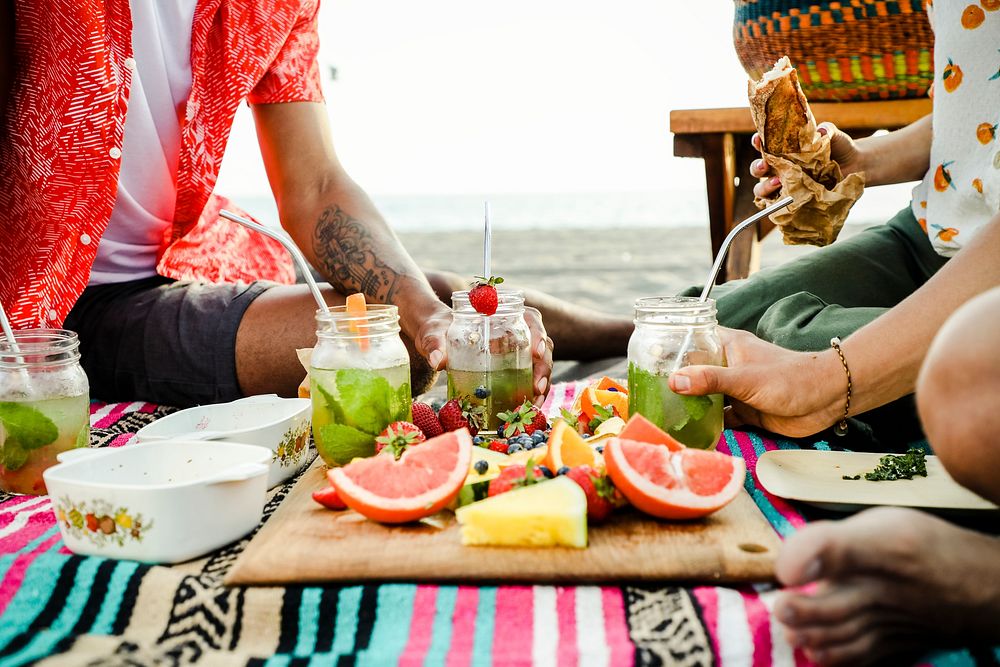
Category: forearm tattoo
[347,255]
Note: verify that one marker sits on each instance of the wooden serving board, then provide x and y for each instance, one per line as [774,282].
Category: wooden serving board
[303,542]
[817,478]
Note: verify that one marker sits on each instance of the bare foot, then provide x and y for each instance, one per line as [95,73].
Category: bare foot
[890,581]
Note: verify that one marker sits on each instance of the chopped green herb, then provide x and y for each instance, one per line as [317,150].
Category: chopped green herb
[897,466]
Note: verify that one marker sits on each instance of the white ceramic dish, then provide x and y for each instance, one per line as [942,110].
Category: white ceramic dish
[280,424]
[162,502]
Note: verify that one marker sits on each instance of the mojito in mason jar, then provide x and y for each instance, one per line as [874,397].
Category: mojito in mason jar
[44,406]
[359,380]
[666,327]
[489,356]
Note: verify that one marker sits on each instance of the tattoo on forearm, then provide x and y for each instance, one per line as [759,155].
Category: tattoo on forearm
[346,254]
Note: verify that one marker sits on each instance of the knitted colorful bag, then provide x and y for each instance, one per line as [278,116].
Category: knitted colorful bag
[844,51]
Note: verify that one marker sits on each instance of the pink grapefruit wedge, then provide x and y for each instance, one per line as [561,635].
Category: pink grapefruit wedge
[641,429]
[685,484]
[424,480]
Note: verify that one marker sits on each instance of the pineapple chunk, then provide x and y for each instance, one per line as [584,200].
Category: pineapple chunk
[547,514]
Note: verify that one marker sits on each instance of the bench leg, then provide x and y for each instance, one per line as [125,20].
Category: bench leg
[728,157]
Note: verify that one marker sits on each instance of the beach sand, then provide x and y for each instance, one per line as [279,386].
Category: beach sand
[605,270]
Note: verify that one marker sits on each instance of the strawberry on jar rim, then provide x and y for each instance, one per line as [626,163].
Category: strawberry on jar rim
[483,295]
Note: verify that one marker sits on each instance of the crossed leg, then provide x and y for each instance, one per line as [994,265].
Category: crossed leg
[894,580]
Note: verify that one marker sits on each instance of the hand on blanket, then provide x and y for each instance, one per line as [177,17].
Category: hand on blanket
[792,393]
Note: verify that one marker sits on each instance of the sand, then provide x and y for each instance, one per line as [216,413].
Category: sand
[605,270]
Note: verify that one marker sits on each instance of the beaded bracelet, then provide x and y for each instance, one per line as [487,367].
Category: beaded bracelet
[841,427]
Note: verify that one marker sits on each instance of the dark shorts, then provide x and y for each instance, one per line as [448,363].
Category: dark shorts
[164,341]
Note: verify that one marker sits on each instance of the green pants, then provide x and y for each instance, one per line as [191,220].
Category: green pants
[835,291]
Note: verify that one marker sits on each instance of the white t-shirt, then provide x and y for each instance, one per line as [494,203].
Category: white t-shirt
[147,185]
[961,191]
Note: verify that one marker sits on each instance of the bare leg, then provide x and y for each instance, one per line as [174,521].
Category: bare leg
[578,333]
[893,579]
[278,322]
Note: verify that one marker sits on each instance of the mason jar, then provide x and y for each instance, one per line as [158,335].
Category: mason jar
[359,380]
[670,333]
[489,356]
[44,405]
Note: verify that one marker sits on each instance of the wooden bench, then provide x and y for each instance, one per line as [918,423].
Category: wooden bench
[721,137]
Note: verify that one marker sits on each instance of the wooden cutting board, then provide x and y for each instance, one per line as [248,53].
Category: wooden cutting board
[303,542]
[817,477]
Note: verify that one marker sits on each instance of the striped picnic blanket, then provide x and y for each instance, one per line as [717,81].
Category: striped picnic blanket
[61,609]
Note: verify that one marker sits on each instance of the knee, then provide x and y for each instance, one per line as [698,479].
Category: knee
[445,282]
[956,394]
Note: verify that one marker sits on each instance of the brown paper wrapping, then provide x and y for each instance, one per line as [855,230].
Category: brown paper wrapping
[822,197]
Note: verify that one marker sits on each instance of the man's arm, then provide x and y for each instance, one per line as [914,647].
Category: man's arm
[801,393]
[338,227]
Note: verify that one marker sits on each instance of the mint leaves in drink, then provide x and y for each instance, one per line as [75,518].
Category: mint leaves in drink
[25,429]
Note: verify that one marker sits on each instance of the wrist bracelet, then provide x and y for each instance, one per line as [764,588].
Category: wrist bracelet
[841,427]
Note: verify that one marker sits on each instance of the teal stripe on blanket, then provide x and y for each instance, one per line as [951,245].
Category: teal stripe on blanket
[39,581]
[38,541]
[394,611]
[441,637]
[43,643]
[482,647]
[773,516]
[105,620]
[308,621]
[952,659]
[348,604]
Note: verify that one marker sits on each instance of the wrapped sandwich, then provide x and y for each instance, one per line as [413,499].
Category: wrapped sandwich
[800,156]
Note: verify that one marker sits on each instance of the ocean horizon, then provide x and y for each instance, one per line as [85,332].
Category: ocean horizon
[415,213]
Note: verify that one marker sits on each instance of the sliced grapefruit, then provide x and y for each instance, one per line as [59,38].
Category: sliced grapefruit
[607,383]
[686,484]
[567,448]
[423,481]
[641,429]
[357,307]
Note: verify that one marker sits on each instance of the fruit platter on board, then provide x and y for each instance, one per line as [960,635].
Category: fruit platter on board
[487,487]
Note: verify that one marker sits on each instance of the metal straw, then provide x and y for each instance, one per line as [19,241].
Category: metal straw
[717,266]
[487,254]
[8,332]
[290,247]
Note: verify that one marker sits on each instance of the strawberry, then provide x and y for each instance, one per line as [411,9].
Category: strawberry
[483,295]
[499,446]
[602,496]
[426,420]
[514,477]
[461,413]
[526,419]
[397,436]
[329,499]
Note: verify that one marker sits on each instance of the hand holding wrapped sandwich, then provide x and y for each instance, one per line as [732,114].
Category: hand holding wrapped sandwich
[799,155]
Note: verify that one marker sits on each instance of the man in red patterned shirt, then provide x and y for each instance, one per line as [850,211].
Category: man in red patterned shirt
[117,114]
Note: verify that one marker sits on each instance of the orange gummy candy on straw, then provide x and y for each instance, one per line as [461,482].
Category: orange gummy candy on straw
[357,307]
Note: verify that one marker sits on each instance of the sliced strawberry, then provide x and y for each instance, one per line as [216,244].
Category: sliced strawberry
[513,477]
[329,499]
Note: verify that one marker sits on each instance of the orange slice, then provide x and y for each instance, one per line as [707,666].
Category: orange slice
[567,448]
[685,484]
[607,383]
[357,307]
[604,397]
[641,429]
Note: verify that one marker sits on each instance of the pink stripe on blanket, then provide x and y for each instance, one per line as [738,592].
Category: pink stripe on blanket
[569,652]
[759,622]
[421,627]
[791,514]
[708,598]
[15,575]
[513,625]
[35,521]
[109,419]
[463,627]
[621,648]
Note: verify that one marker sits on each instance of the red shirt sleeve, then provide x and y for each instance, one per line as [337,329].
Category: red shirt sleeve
[293,75]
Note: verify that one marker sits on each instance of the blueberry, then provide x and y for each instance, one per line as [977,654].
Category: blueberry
[585,436]
[600,449]
[563,470]
[514,448]
[612,389]
[478,440]
[545,471]
[481,467]
[482,392]
[538,436]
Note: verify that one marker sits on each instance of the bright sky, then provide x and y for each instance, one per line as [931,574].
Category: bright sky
[469,96]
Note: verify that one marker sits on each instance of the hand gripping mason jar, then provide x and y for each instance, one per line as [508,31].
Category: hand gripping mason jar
[359,380]
[44,406]
[489,357]
[664,328]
